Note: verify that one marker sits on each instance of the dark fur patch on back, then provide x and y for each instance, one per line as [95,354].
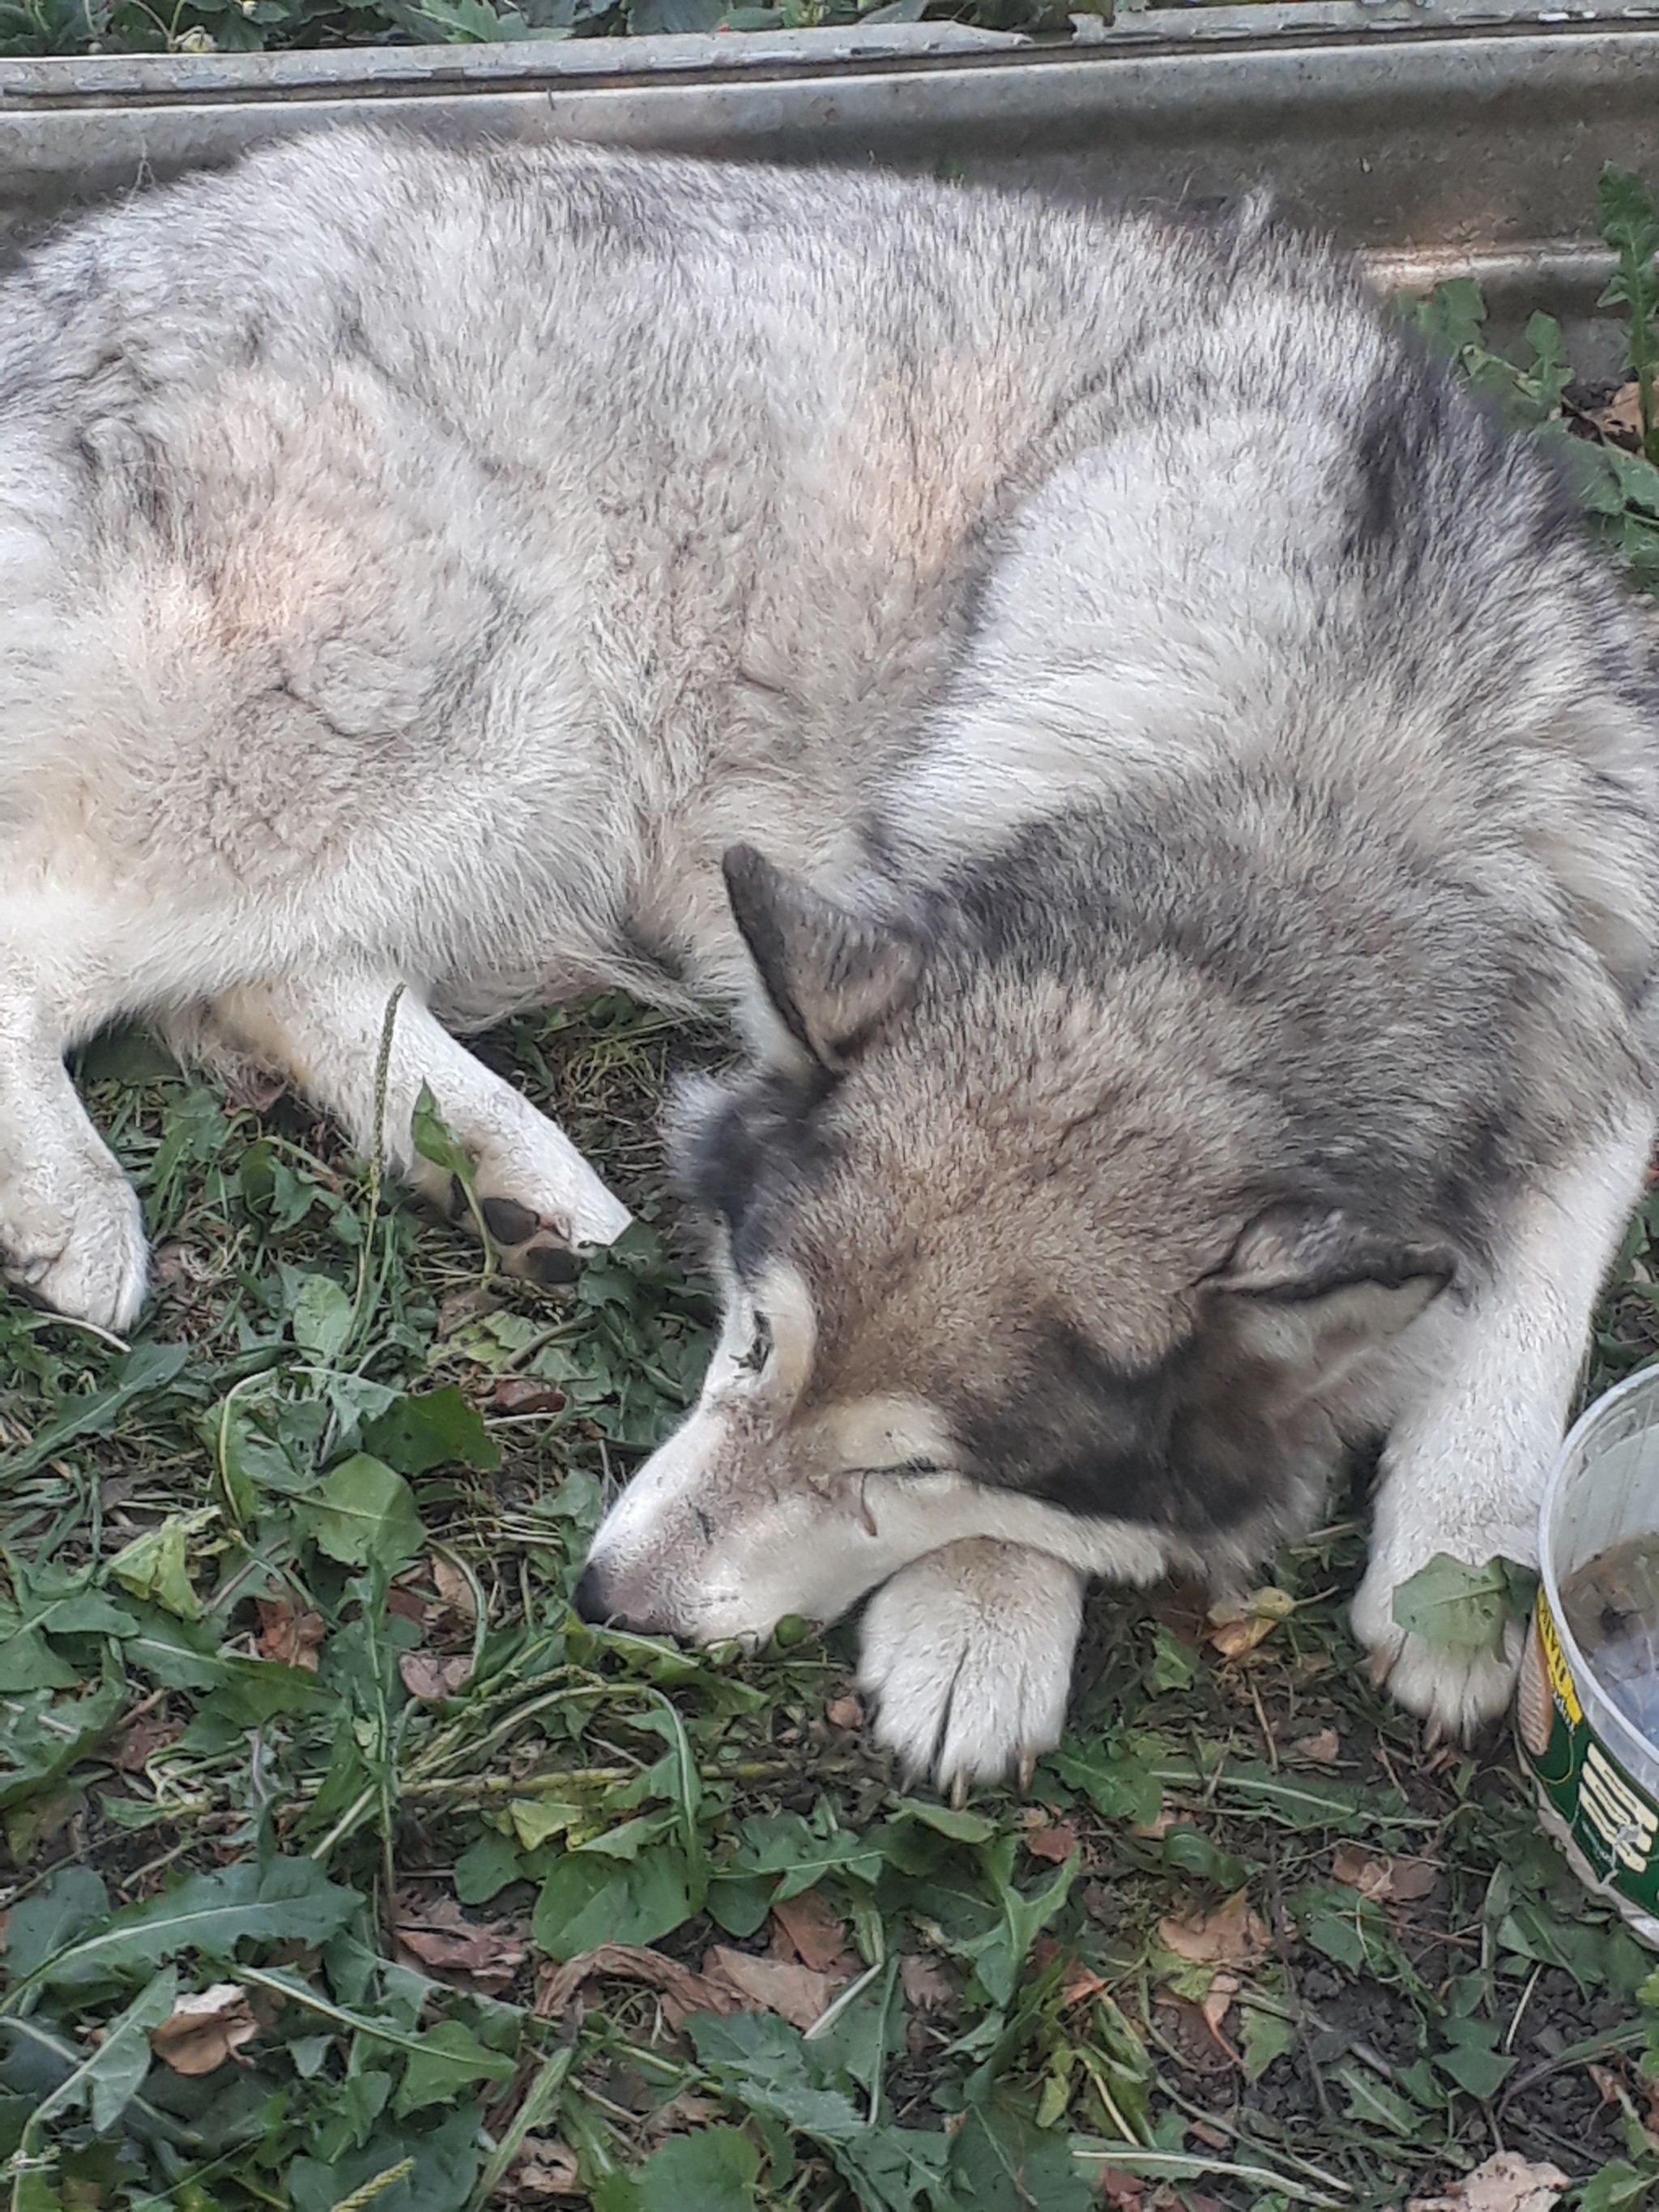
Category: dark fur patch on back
[1426,448]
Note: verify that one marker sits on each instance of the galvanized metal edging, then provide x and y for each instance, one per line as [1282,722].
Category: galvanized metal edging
[1463,136]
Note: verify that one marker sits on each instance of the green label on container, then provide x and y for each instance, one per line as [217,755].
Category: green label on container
[1613,1820]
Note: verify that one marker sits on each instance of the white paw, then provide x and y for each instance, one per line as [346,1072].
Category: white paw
[966,1655]
[1456,1693]
[541,1201]
[88,1259]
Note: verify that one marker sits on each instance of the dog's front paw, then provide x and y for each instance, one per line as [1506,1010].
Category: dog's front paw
[966,1655]
[87,1258]
[1457,1692]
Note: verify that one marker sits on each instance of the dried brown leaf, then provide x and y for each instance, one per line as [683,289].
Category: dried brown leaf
[1607,2084]
[1321,1750]
[1079,1983]
[1387,1880]
[1154,1831]
[460,1307]
[1055,1842]
[1235,1629]
[523,1393]
[453,1587]
[544,2167]
[1506,2183]
[203,2032]
[1231,1936]
[794,1992]
[1621,418]
[136,1746]
[683,1990]
[1218,2002]
[844,1713]
[289,1633]
[430,1678]
[814,1930]
[487,1953]
[1123,2191]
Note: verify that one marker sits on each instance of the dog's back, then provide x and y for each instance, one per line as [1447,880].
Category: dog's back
[548,493]
[605,509]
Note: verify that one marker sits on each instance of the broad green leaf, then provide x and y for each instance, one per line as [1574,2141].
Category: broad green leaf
[485,1868]
[1618,2187]
[153,1566]
[321,1318]
[444,2161]
[45,1733]
[1471,2058]
[1291,1801]
[739,1903]
[714,2170]
[1455,1605]
[998,1955]
[364,1511]
[75,1611]
[435,1140]
[766,2063]
[1624,214]
[1373,2104]
[1263,2036]
[289,1901]
[438,1428]
[27,1662]
[72,1899]
[633,1836]
[538,1820]
[179,1654]
[451,2059]
[1001,2162]
[1174,1666]
[587,1900]
[1190,1852]
[962,1827]
[110,2076]
[1118,1784]
[784,1844]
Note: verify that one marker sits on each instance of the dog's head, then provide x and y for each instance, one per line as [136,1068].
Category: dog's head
[998,1261]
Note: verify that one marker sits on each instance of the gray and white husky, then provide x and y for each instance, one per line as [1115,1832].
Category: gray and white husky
[1166,788]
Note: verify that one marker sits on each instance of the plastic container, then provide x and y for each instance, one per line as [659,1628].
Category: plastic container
[1589,1679]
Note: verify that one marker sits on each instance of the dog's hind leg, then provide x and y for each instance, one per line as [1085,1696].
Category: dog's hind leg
[967,1654]
[1464,1468]
[71,1229]
[541,1201]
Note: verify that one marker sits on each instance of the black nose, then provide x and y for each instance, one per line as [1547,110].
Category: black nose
[591,1598]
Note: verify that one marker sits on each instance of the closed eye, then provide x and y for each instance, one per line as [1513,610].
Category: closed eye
[910,1466]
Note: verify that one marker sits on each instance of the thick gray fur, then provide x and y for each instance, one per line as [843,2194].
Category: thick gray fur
[1186,787]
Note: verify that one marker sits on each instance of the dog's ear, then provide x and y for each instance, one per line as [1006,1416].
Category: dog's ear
[833,976]
[1309,1293]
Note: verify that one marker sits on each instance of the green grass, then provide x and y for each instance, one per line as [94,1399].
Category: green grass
[293,1710]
